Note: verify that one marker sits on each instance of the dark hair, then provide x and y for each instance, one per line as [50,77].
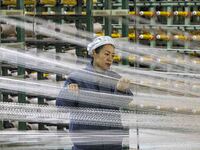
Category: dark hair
[97,50]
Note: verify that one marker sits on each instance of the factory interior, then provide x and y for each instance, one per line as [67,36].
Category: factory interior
[45,45]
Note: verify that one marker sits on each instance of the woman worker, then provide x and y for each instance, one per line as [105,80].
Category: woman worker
[102,51]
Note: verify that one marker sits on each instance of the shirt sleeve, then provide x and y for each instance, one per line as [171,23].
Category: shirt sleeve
[127,92]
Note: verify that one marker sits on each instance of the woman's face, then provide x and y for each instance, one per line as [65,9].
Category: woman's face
[104,58]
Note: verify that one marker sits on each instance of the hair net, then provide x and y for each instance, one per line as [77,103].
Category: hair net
[99,41]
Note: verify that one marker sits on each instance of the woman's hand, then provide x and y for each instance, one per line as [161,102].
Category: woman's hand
[123,84]
[73,87]
[131,105]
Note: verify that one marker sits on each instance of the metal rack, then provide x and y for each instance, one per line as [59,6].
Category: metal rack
[37,9]
[171,15]
[20,70]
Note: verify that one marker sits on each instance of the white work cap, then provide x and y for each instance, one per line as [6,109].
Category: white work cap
[99,41]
